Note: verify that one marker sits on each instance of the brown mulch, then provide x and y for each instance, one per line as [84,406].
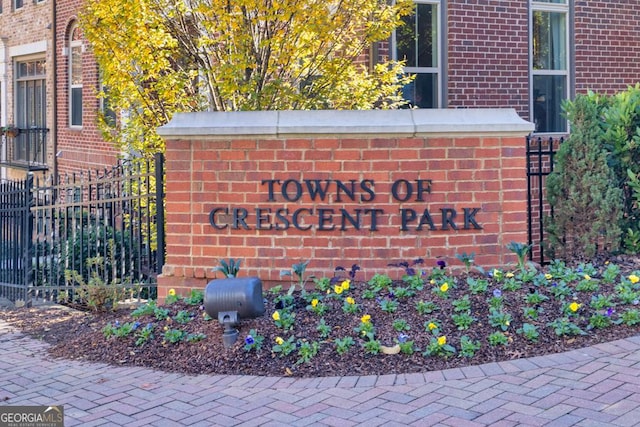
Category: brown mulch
[78,334]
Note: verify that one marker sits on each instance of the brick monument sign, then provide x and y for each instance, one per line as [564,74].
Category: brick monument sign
[340,188]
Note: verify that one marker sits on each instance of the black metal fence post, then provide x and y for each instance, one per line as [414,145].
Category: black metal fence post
[159,172]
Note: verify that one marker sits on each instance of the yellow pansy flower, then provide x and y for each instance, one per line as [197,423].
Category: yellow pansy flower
[548,276]
[314,302]
[365,319]
[509,275]
[587,277]
[634,279]
[444,287]
[346,284]
[442,340]
[574,306]
[279,340]
[172,292]
[432,281]
[432,326]
[338,289]
[350,300]
[276,315]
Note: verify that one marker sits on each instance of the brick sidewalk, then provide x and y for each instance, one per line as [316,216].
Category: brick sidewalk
[595,386]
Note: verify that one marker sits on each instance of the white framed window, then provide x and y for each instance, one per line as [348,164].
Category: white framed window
[550,63]
[75,77]
[417,42]
[30,109]
[17,4]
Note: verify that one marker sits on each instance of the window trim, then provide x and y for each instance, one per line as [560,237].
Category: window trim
[71,45]
[565,8]
[438,70]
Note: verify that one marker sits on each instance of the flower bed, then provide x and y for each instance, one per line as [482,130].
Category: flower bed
[345,325]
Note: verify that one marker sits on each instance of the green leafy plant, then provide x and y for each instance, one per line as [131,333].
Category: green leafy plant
[477,286]
[559,290]
[587,285]
[196,297]
[468,347]
[532,312]
[389,305]
[529,331]
[499,319]
[174,336]
[438,346]
[161,313]
[601,301]
[563,326]
[284,347]
[379,282]
[535,297]
[229,268]
[402,292]
[322,284]
[497,338]
[599,321]
[442,290]
[253,341]
[462,304]
[401,325]
[365,328]
[343,345]
[462,321]
[307,351]
[299,270]
[147,309]
[349,306]
[631,317]
[284,319]
[466,259]
[512,284]
[183,316]
[521,250]
[372,345]
[317,307]
[426,307]
[195,337]
[433,326]
[144,335]
[323,329]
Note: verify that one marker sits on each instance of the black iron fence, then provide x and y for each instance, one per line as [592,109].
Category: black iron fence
[15,238]
[540,153]
[93,231]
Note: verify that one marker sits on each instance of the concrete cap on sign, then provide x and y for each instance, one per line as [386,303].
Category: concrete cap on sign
[347,123]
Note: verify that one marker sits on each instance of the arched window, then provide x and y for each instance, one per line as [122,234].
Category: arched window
[75,77]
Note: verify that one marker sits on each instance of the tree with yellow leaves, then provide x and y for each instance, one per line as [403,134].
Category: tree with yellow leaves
[158,57]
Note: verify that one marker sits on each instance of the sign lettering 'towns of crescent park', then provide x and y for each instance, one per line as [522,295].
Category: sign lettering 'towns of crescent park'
[359,196]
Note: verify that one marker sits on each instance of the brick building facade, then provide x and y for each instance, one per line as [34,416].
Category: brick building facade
[26,85]
[80,145]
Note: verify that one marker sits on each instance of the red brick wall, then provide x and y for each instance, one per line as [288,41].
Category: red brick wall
[484,172]
[80,149]
[607,45]
[488,48]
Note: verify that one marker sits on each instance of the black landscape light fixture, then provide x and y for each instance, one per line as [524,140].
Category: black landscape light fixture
[231,300]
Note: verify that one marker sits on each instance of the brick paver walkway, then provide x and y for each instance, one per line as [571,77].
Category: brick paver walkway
[596,386]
